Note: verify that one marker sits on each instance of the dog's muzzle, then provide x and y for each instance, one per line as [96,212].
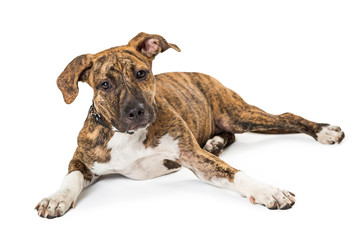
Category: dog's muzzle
[134,116]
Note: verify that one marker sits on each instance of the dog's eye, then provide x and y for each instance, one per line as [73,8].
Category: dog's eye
[105,85]
[141,74]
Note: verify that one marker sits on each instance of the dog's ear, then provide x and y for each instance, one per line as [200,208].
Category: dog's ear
[151,45]
[77,70]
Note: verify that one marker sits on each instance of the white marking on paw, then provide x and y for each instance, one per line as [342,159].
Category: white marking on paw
[59,202]
[260,193]
[215,145]
[330,135]
[257,192]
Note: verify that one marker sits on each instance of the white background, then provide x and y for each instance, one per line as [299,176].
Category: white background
[297,56]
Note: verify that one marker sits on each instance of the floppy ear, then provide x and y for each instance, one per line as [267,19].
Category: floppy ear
[77,70]
[150,45]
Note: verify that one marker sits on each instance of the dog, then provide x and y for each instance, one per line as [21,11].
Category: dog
[144,126]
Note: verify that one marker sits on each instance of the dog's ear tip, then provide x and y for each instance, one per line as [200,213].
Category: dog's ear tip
[151,44]
[68,101]
[174,46]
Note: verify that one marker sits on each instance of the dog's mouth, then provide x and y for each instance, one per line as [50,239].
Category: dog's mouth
[137,127]
[131,128]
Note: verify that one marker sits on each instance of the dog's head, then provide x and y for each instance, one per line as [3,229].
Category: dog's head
[122,80]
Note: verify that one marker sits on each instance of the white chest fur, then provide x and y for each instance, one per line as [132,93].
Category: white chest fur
[131,158]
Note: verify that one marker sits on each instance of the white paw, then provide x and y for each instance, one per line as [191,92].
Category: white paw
[56,205]
[215,145]
[273,198]
[264,194]
[330,135]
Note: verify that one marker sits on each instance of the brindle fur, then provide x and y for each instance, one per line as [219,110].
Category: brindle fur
[190,107]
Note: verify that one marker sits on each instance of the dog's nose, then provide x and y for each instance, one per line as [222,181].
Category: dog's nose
[135,113]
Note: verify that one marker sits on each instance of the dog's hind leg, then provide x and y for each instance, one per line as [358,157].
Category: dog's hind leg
[232,114]
[241,117]
[216,144]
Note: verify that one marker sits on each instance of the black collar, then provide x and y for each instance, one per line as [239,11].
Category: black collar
[97,116]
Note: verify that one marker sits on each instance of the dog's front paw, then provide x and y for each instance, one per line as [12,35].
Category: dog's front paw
[273,198]
[56,205]
[329,134]
[264,194]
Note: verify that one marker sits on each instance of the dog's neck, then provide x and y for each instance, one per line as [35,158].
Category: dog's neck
[97,116]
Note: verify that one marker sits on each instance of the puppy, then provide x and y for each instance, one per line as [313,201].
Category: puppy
[144,126]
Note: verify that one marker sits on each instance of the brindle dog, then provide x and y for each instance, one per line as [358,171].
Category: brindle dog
[144,126]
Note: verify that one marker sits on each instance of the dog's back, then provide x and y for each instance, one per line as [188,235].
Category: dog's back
[184,92]
[199,99]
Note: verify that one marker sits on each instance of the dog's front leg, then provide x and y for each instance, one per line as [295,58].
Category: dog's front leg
[65,197]
[213,170]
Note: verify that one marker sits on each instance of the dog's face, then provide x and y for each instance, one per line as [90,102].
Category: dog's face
[122,80]
[124,89]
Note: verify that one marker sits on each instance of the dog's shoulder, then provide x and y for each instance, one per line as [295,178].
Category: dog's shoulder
[92,143]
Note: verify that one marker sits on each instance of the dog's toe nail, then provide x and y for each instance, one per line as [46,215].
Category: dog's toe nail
[41,212]
[286,206]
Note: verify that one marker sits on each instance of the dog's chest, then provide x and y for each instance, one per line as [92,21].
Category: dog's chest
[131,158]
